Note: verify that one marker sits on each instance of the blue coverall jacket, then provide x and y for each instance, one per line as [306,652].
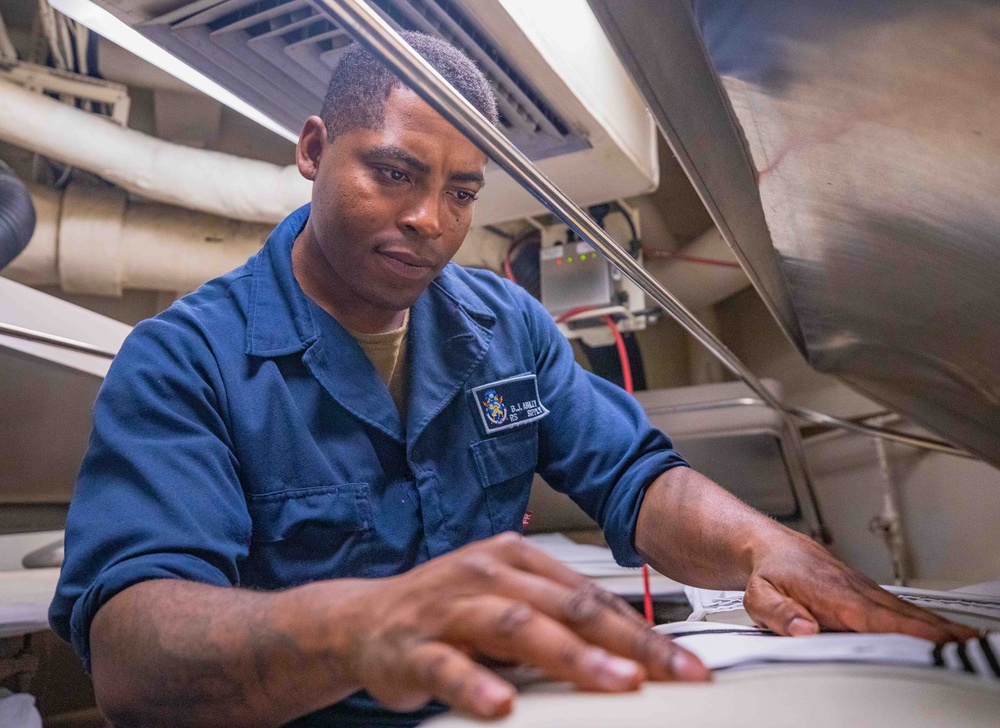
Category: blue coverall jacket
[243,438]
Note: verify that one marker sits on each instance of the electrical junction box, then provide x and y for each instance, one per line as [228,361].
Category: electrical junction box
[573,275]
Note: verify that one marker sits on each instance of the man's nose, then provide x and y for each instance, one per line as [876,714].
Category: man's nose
[423,217]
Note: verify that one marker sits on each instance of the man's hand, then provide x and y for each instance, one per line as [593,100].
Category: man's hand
[417,636]
[797,587]
[177,653]
[694,531]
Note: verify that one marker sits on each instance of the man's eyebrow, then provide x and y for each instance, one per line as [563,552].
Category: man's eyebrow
[400,155]
[468,177]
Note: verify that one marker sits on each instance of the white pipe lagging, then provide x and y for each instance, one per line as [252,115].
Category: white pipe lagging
[94,240]
[196,179]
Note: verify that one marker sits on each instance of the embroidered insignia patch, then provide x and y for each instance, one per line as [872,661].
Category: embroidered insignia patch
[509,403]
[495,410]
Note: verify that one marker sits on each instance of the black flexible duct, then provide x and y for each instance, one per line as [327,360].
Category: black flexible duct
[17,216]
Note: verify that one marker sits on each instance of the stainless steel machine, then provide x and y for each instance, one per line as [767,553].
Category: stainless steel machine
[850,154]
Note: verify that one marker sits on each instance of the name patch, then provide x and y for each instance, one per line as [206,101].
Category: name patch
[509,403]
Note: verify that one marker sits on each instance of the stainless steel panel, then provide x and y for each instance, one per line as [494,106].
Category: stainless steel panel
[661,47]
[874,133]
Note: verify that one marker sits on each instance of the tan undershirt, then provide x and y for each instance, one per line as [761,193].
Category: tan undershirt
[387,353]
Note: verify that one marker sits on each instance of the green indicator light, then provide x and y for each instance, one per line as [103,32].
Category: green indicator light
[583,257]
[569,260]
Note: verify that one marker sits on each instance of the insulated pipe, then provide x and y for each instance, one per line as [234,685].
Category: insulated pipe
[368,28]
[17,216]
[95,241]
[212,182]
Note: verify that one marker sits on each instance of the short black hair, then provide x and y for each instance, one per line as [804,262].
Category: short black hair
[361,83]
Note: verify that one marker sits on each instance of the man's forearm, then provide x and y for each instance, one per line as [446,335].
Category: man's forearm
[177,653]
[692,530]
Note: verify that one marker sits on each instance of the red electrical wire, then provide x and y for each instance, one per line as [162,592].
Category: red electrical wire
[622,353]
[566,315]
[508,257]
[665,255]
[647,595]
[619,341]
[507,269]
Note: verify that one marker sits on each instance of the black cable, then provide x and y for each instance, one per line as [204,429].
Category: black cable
[634,245]
[605,362]
[600,213]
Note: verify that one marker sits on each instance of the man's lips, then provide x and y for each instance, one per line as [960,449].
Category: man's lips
[406,264]
[406,256]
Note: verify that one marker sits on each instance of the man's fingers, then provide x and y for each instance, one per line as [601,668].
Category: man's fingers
[868,615]
[593,615]
[861,605]
[433,669]
[846,601]
[779,613]
[513,631]
[948,630]
[513,550]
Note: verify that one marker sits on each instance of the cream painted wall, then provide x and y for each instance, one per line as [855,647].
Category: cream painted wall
[949,508]
[664,354]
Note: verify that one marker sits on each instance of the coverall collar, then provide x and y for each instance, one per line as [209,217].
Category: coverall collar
[449,334]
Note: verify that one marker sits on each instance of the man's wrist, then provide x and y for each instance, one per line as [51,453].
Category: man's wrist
[322,618]
[769,540]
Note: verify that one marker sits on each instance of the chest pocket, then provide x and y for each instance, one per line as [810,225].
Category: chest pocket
[303,534]
[506,465]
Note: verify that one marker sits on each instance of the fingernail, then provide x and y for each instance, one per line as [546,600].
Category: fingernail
[686,666]
[494,694]
[800,627]
[594,660]
[621,669]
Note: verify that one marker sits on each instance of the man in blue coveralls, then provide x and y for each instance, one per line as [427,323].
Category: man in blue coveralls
[298,495]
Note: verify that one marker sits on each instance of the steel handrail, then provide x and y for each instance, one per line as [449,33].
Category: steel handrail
[40,337]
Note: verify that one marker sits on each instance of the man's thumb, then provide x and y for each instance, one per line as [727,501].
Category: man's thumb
[779,613]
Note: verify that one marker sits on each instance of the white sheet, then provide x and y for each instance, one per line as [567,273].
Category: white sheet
[722,646]
[976,609]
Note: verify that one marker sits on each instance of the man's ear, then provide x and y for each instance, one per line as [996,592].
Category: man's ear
[310,147]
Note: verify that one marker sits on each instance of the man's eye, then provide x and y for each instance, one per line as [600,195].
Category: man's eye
[394,175]
[465,197]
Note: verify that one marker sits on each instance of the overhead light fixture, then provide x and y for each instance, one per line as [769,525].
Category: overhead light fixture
[108,26]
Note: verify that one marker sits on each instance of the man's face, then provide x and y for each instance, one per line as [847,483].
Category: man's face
[390,207]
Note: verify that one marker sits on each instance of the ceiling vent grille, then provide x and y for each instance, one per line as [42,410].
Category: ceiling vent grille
[278,56]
